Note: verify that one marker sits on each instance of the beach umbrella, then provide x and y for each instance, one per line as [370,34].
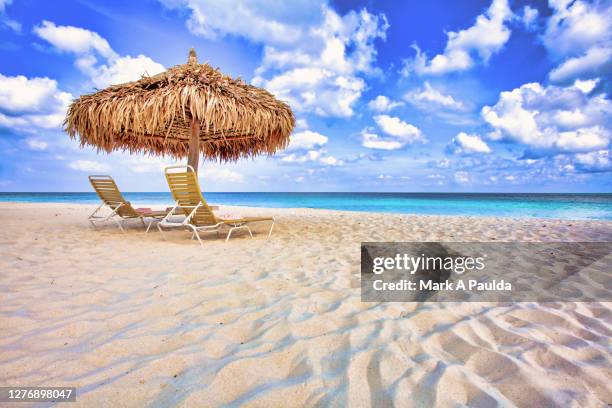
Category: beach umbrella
[188,110]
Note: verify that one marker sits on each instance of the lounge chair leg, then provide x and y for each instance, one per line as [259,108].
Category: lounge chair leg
[271,227]
[248,229]
[195,232]
[120,226]
[229,234]
[91,217]
[161,232]
[149,227]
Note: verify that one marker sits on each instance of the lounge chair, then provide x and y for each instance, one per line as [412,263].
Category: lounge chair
[199,217]
[121,210]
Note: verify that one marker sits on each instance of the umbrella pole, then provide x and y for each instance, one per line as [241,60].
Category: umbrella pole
[193,155]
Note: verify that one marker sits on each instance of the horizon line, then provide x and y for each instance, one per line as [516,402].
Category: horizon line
[316,192]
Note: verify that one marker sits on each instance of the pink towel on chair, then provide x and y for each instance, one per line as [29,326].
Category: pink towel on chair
[229,216]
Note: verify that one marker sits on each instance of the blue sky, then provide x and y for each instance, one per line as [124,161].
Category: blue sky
[479,96]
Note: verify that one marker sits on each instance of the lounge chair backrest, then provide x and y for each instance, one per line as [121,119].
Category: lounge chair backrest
[186,192]
[109,193]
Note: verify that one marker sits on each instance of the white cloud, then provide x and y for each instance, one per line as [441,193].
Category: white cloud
[119,70]
[375,141]
[529,17]
[579,34]
[221,174]
[312,156]
[552,118]
[594,161]
[19,94]
[321,73]
[29,104]
[88,47]
[301,123]
[88,165]
[396,127]
[278,23]
[576,26]
[313,57]
[147,164]
[593,63]
[331,161]
[462,177]
[464,143]
[383,104]
[4,18]
[586,86]
[156,165]
[306,147]
[487,36]
[306,139]
[37,144]
[73,39]
[428,98]
[398,134]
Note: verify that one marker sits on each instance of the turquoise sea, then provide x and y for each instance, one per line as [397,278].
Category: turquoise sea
[564,206]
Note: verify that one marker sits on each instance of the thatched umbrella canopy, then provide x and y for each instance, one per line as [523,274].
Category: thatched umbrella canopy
[182,112]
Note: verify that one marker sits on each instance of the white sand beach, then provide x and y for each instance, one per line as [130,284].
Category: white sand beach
[132,320]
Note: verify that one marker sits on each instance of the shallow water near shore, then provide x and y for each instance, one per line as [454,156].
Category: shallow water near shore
[560,206]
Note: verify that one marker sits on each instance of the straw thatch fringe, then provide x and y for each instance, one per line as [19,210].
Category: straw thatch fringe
[153,115]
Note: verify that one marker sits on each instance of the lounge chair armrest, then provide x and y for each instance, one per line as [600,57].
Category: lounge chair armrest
[187,218]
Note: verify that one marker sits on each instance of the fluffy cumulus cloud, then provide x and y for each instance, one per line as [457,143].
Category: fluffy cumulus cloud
[397,134]
[31,104]
[579,35]
[429,98]
[306,139]
[307,146]
[74,39]
[464,143]
[313,57]
[94,55]
[383,104]
[487,36]
[552,119]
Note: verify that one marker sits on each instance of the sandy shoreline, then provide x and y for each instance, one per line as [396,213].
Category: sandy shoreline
[132,320]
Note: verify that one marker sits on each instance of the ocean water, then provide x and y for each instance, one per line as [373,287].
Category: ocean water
[563,206]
